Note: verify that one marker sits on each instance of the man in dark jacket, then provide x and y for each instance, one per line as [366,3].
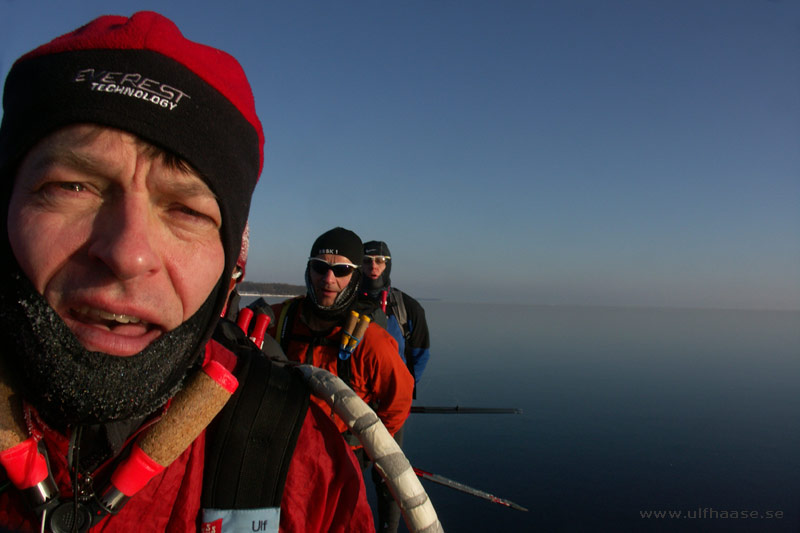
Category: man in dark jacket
[405,315]
[406,323]
[128,157]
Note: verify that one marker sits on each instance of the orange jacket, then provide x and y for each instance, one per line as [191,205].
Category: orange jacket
[379,376]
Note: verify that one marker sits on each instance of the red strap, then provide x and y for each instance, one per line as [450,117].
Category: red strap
[217,352]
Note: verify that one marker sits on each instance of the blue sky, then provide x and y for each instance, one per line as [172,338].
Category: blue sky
[560,152]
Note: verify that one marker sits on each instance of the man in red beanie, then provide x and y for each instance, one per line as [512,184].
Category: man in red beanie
[128,157]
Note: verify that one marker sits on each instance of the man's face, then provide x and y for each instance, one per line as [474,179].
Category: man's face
[327,286]
[373,266]
[122,245]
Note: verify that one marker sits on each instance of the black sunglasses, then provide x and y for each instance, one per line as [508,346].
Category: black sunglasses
[321,267]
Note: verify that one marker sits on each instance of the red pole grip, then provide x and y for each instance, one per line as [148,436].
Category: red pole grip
[244,318]
[260,329]
[25,466]
[137,470]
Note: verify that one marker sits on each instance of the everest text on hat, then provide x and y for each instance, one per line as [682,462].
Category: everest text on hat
[133,85]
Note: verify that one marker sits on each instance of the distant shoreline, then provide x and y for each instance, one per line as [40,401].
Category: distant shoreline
[250,294]
[270,290]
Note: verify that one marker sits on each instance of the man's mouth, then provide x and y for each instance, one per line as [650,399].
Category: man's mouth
[101,317]
[326,296]
[112,333]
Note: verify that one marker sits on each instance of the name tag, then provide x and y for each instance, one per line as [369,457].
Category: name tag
[241,520]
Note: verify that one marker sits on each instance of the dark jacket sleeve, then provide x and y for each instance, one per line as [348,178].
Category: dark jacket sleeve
[417,349]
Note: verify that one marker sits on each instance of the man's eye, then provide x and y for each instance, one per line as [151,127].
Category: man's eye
[62,189]
[190,211]
[72,186]
[200,216]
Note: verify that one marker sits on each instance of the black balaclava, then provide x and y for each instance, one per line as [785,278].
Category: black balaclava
[338,241]
[70,385]
[373,287]
[139,75]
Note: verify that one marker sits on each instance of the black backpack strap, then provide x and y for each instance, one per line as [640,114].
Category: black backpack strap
[399,309]
[364,305]
[344,369]
[250,444]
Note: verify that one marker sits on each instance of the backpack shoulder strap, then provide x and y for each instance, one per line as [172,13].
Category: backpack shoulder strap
[250,444]
[399,308]
[285,323]
[365,305]
[344,370]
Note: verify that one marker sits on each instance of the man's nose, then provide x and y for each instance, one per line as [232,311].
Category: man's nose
[329,277]
[123,239]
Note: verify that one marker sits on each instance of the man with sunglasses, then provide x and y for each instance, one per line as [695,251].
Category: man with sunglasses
[309,329]
[406,323]
[406,317]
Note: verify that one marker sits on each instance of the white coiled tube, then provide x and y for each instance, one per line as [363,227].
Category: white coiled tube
[389,459]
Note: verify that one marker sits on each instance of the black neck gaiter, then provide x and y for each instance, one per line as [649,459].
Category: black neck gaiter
[374,287]
[69,385]
[342,303]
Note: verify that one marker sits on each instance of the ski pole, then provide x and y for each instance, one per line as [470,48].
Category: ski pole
[465,488]
[457,409]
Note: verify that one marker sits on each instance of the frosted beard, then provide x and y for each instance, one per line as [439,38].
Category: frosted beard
[69,385]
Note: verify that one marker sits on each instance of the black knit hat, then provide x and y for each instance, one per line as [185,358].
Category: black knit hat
[140,75]
[339,241]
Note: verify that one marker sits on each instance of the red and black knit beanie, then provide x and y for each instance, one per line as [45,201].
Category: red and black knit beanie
[141,75]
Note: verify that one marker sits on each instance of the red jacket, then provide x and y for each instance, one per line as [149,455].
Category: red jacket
[324,489]
[379,377]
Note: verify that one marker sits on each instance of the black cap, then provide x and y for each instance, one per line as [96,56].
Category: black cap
[339,241]
[376,248]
